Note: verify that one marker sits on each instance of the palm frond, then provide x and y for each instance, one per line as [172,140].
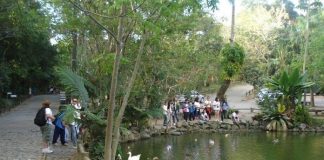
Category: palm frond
[74,84]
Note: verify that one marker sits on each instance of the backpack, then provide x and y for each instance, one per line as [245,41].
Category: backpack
[40,119]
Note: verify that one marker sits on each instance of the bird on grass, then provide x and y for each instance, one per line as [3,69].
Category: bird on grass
[136,157]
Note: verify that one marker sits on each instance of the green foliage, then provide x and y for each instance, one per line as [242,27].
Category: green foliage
[291,85]
[74,84]
[252,74]
[25,49]
[274,116]
[96,148]
[301,115]
[232,60]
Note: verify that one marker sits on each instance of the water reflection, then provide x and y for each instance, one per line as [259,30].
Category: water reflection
[234,146]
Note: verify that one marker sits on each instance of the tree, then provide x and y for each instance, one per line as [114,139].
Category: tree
[232,58]
[26,53]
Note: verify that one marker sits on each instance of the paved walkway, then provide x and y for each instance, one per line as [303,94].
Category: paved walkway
[20,139]
[237,99]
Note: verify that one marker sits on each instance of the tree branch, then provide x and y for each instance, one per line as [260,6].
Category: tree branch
[96,21]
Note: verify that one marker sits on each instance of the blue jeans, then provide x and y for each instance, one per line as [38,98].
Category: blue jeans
[73,131]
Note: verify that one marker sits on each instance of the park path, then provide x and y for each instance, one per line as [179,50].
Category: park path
[20,139]
[238,99]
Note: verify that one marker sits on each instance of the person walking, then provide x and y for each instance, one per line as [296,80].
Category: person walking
[47,128]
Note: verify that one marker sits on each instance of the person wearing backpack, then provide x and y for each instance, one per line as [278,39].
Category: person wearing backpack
[59,130]
[46,114]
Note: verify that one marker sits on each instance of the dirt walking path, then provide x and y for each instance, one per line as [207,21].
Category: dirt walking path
[20,139]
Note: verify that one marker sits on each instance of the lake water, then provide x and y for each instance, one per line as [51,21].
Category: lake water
[232,146]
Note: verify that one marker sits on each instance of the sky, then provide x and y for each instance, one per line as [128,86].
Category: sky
[223,14]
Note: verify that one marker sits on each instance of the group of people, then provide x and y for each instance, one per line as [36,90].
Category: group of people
[196,110]
[62,128]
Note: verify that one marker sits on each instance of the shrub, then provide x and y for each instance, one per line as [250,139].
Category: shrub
[301,115]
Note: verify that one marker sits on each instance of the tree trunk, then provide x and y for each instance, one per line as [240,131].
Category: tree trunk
[312,101]
[226,84]
[306,45]
[222,90]
[125,98]
[74,50]
[233,23]
[113,88]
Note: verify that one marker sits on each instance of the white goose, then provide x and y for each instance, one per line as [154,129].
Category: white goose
[211,142]
[136,157]
[169,147]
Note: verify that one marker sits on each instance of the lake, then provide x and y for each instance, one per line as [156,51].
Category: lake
[230,146]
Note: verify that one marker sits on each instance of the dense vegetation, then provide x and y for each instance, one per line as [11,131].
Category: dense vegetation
[124,58]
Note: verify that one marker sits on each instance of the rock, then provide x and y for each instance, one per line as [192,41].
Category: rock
[145,135]
[295,130]
[302,126]
[175,133]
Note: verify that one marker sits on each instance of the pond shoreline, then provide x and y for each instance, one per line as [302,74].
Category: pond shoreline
[181,128]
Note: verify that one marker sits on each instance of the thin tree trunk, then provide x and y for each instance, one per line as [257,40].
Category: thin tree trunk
[221,92]
[74,50]
[306,45]
[125,98]
[312,101]
[233,23]
[113,88]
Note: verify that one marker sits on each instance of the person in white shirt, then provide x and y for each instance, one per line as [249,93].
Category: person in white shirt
[235,118]
[47,128]
[165,114]
[216,108]
[74,126]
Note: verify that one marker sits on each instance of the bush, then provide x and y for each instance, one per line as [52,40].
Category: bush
[5,105]
[301,115]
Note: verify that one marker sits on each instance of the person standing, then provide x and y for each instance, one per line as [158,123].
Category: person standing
[225,107]
[47,128]
[175,111]
[185,109]
[59,130]
[74,126]
[217,109]
[208,108]
[165,114]
[192,111]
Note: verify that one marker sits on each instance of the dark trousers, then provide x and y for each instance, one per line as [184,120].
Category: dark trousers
[191,116]
[223,115]
[185,116]
[175,117]
[59,132]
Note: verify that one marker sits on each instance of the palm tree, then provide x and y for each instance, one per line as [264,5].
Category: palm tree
[291,86]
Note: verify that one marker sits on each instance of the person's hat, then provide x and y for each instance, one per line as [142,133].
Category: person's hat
[46,103]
